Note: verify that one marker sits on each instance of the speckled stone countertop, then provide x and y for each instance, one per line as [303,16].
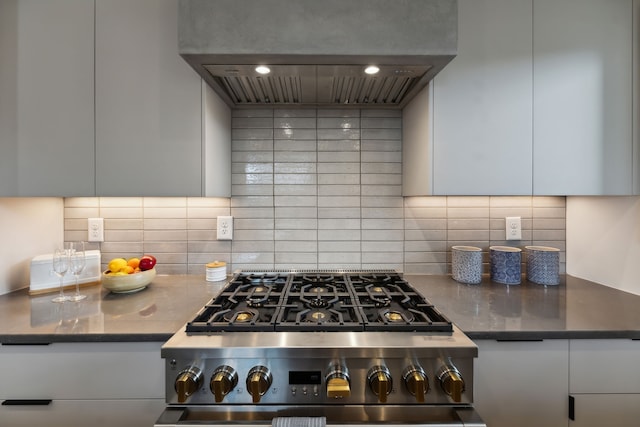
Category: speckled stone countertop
[575,309]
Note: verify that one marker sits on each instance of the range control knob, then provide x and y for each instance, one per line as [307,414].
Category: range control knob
[338,382]
[451,382]
[223,380]
[258,382]
[380,382]
[415,379]
[188,382]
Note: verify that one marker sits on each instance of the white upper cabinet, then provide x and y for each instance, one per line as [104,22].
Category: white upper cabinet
[46,98]
[148,103]
[481,129]
[582,98]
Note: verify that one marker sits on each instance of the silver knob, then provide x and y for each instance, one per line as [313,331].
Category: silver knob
[416,381]
[380,382]
[223,380]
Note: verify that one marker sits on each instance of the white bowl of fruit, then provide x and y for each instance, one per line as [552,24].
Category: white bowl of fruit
[129,275]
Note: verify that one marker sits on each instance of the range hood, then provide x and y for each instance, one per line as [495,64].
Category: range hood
[317,50]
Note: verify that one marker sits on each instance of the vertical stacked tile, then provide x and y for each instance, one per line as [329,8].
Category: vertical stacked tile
[165,232]
[549,225]
[295,189]
[339,235]
[381,189]
[468,223]
[252,189]
[203,246]
[124,229]
[425,235]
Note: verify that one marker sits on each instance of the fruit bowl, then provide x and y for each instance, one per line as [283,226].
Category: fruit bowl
[127,282]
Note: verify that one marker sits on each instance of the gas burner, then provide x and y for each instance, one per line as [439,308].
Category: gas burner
[258,296]
[319,316]
[240,316]
[314,296]
[393,316]
[379,295]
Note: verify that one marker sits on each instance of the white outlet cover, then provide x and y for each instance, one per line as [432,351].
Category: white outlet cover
[513,228]
[95,230]
[225,227]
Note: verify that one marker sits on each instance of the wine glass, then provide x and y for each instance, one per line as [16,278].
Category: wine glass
[78,262]
[61,263]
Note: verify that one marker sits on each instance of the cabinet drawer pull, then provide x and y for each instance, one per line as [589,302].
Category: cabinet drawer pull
[26,402]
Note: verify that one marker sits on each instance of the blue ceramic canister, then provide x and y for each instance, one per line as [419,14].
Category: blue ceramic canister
[505,264]
[543,265]
[466,264]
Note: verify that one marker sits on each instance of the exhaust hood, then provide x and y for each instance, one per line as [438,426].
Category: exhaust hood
[315,52]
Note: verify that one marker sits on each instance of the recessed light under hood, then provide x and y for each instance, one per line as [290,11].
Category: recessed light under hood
[317,50]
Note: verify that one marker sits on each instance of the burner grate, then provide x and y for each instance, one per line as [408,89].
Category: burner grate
[319,300]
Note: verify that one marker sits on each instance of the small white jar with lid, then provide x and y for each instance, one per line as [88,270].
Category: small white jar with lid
[216,271]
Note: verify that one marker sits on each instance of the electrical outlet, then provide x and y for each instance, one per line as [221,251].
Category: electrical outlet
[96,230]
[513,227]
[225,227]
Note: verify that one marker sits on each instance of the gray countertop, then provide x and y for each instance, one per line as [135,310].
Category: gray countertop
[575,309]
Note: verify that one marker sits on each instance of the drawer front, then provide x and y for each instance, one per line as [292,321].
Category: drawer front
[96,413]
[604,366]
[82,371]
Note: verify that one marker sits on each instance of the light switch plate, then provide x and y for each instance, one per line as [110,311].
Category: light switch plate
[225,227]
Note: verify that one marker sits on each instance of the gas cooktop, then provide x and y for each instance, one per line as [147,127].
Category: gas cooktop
[317,300]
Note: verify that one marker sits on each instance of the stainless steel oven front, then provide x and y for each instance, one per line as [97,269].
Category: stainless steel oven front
[368,374]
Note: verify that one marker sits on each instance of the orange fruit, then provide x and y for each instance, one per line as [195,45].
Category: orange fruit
[133,262]
[128,269]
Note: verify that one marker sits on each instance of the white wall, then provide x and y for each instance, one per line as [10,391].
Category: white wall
[28,227]
[603,240]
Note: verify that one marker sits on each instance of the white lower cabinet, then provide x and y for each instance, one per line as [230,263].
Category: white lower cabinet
[96,413]
[522,383]
[604,382]
[103,384]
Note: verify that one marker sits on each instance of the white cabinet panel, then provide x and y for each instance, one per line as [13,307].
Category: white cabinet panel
[95,413]
[604,366]
[611,410]
[148,103]
[582,97]
[482,123]
[82,371]
[46,87]
[522,383]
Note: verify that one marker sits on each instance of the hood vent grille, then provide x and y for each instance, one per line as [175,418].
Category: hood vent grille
[316,85]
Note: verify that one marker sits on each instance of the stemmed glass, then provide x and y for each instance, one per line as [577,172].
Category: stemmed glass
[78,262]
[61,263]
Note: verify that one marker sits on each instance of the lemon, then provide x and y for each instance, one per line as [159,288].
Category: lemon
[117,264]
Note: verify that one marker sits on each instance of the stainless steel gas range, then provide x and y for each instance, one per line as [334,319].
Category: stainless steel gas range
[329,347]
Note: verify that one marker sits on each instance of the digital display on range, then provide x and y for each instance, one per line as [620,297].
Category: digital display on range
[305,377]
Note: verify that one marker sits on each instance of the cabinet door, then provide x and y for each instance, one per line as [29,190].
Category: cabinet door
[82,371]
[604,366]
[482,121]
[96,413]
[46,87]
[148,103]
[611,410]
[582,97]
[522,383]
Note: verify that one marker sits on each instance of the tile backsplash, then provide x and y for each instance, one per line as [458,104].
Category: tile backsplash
[315,189]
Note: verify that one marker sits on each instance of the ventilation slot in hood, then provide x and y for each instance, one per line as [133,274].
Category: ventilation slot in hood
[317,50]
[310,84]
